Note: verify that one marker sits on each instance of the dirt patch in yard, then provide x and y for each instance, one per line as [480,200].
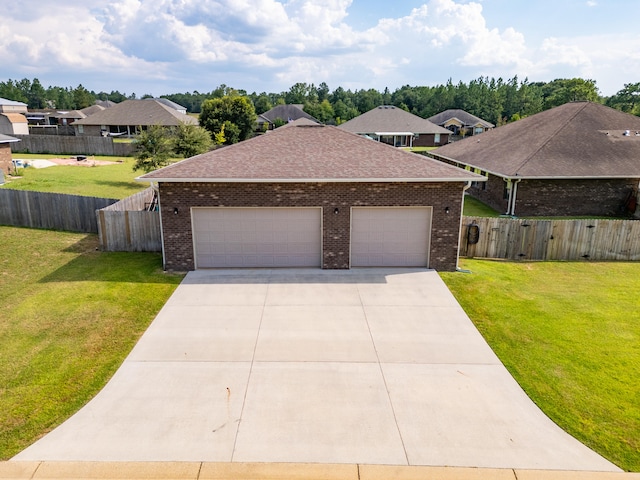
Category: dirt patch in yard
[86,162]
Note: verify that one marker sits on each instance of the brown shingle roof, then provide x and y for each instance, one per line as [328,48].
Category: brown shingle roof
[578,139]
[138,112]
[309,153]
[93,109]
[15,117]
[387,119]
[465,118]
[287,112]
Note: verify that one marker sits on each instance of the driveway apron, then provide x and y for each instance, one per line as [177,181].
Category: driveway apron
[370,366]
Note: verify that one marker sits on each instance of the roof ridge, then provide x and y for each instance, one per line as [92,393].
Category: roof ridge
[556,133]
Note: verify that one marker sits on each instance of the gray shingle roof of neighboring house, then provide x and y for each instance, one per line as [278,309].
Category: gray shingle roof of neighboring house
[302,152]
[106,103]
[575,140]
[88,111]
[390,119]
[171,104]
[286,113]
[465,118]
[8,139]
[138,112]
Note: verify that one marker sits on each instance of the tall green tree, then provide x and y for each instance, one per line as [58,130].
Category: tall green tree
[190,140]
[154,148]
[262,103]
[561,91]
[11,91]
[82,98]
[323,111]
[236,113]
[37,95]
[627,99]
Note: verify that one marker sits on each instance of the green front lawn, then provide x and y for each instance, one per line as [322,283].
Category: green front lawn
[70,314]
[569,333]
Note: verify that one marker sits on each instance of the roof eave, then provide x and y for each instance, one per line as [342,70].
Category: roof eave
[474,178]
[515,176]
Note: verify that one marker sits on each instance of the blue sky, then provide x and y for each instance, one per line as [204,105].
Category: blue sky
[170,46]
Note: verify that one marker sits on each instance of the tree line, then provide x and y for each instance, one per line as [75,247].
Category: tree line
[495,100]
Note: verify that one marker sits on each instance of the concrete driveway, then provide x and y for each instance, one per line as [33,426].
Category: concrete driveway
[375,366]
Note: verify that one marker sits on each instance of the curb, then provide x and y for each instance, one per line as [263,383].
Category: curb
[17,470]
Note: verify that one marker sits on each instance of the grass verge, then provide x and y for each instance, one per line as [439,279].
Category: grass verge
[70,314]
[569,334]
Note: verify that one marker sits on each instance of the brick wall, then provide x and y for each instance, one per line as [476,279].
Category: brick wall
[177,231]
[573,197]
[559,198]
[492,193]
[428,140]
[5,158]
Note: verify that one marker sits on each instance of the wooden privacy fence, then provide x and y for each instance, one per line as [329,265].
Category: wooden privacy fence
[522,239]
[54,211]
[59,144]
[131,225]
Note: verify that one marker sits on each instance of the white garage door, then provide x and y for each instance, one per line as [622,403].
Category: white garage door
[257,237]
[390,236]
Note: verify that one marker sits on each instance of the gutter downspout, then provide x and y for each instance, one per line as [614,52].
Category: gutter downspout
[514,191]
[511,203]
[458,269]
[508,180]
[156,188]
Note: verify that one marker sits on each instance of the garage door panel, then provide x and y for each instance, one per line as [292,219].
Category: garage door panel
[257,237]
[390,236]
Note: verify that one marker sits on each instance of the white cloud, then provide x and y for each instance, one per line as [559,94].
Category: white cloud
[180,45]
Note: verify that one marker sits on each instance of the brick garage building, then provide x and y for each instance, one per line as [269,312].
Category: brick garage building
[578,159]
[310,196]
[5,153]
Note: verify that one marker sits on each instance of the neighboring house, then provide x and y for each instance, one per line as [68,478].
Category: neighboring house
[170,104]
[397,127]
[67,117]
[57,122]
[12,117]
[130,117]
[105,103]
[581,158]
[310,195]
[5,152]
[93,109]
[461,123]
[282,114]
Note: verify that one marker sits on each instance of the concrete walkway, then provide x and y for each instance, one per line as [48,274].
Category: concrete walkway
[310,366]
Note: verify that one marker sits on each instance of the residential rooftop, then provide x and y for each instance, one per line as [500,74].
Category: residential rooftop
[575,140]
[305,152]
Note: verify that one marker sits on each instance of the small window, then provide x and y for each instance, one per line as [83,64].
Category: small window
[436,138]
[81,129]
